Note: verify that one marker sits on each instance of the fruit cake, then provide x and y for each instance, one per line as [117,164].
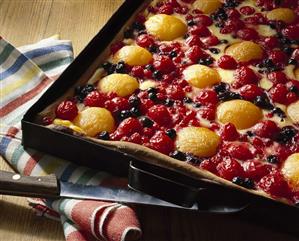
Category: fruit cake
[209,88]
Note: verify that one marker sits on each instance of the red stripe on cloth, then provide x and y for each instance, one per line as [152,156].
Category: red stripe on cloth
[80,236]
[82,213]
[121,220]
[12,131]
[25,97]
[31,163]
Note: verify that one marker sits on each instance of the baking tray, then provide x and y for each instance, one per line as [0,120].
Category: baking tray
[163,183]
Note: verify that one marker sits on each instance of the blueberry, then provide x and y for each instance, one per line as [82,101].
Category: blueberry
[223,41]
[124,114]
[152,90]
[292,61]
[134,101]
[138,26]
[228,95]
[288,50]
[146,122]
[196,105]
[121,67]
[222,87]
[171,133]
[214,50]
[191,22]
[263,102]
[157,74]
[193,159]
[294,89]
[249,133]
[173,54]
[135,111]
[286,134]
[187,100]
[150,67]
[169,102]
[247,183]
[104,135]
[152,96]
[153,49]
[178,155]
[279,112]
[273,159]
[82,91]
[128,33]
[207,61]
[109,67]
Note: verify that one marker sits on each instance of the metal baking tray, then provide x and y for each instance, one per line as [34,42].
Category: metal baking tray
[163,183]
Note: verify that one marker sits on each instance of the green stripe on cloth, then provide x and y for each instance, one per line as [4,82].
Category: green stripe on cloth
[5,53]
[56,63]
[16,155]
[86,176]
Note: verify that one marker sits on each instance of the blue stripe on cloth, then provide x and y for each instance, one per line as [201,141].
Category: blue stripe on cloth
[32,54]
[4,144]
[46,50]
[65,176]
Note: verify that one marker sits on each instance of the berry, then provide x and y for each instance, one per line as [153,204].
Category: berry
[128,127]
[247,34]
[178,155]
[171,133]
[286,134]
[160,114]
[239,151]
[278,93]
[164,64]
[206,97]
[247,183]
[166,9]
[67,110]
[278,57]
[250,92]
[273,159]
[146,122]
[195,53]
[204,20]
[270,42]
[230,168]
[210,41]
[275,185]
[82,91]
[233,13]
[104,135]
[137,71]
[227,62]
[47,120]
[247,10]
[193,40]
[116,46]
[162,143]
[229,132]
[175,92]
[243,76]
[255,169]
[266,129]
[277,77]
[94,98]
[291,32]
[200,31]
[145,40]
[117,104]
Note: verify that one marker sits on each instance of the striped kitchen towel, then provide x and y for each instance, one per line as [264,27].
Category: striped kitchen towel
[25,73]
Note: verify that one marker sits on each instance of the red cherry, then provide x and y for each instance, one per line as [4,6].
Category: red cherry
[67,110]
[278,57]
[278,93]
[94,98]
[247,10]
[233,13]
[200,31]
[160,114]
[195,53]
[247,34]
[145,40]
[270,42]
[193,40]
[204,20]
[277,77]
[230,168]
[206,97]
[162,143]
[275,184]
[164,64]
[266,129]
[128,127]
[227,62]
[255,169]
[175,92]
[137,71]
[250,91]
[210,41]
[243,76]
[229,132]
[166,9]
[291,32]
[239,151]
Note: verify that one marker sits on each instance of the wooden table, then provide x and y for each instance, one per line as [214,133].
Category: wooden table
[27,21]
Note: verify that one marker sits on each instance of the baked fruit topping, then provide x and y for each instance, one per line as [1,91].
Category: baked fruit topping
[210,83]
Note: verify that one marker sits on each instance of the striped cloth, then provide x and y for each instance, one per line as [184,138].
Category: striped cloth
[25,73]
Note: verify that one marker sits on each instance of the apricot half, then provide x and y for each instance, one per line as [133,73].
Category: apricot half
[290,170]
[245,51]
[133,55]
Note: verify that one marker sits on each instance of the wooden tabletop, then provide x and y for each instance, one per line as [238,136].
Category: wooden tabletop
[27,21]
